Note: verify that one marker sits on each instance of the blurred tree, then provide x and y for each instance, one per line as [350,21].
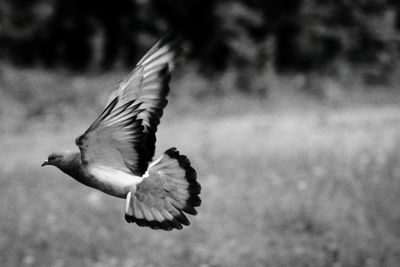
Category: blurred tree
[20,22]
[61,32]
[198,24]
[305,35]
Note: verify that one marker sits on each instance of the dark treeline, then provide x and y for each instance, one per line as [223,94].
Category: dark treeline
[295,35]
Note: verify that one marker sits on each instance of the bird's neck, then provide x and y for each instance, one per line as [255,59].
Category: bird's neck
[72,166]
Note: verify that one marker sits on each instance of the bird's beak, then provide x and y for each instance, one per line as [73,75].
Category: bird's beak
[45,163]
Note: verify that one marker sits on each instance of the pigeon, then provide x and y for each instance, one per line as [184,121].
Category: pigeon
[116,152]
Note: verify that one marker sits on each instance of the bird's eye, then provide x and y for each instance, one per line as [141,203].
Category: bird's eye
[51,158]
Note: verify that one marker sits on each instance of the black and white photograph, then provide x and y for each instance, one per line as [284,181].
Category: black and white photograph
[149,133]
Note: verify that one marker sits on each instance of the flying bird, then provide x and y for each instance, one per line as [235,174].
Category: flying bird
[116,151]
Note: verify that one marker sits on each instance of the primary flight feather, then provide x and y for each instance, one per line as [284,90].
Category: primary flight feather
[116,151]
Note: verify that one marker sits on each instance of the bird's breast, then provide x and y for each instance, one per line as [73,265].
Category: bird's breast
[111,181]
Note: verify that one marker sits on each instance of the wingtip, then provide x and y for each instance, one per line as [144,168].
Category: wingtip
[169,36]
[170,43]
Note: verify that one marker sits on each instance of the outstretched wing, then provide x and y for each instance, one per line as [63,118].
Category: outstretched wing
[148,85]
[123,136]
[115,139]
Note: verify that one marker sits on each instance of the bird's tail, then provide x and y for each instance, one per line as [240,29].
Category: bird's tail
[169,190]
[180,180]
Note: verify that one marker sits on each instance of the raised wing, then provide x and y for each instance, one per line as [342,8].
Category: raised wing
[115,139]
[123,136]
[144,79]
[148,85]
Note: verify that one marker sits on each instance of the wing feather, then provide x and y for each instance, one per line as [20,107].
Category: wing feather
[115,140]
[123,136]
[148,85]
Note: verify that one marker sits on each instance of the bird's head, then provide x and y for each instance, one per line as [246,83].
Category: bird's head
[59,159]
[54,159]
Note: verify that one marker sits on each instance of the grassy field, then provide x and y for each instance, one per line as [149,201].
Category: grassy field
[280,187]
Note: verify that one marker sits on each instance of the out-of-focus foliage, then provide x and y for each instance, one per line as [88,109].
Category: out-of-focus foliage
[292,35]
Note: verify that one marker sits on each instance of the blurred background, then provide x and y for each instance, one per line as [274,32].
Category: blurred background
[289,111]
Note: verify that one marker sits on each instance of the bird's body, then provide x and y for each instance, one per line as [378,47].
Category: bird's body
[116,152]
[111,181]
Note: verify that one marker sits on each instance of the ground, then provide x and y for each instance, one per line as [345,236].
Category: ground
[315,186]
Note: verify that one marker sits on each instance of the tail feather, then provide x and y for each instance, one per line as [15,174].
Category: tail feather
[170,189]
[186,194]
